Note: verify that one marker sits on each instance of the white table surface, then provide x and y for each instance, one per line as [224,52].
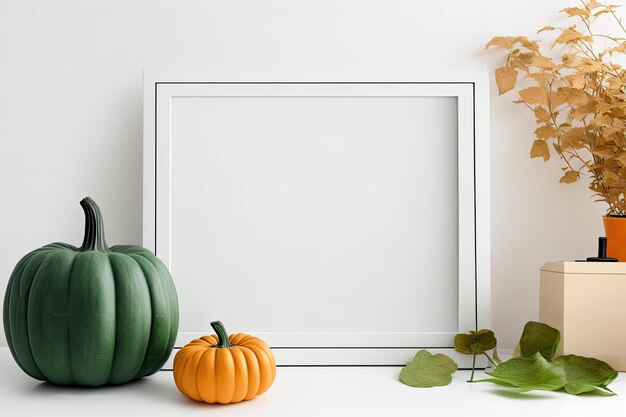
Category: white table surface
[299,392]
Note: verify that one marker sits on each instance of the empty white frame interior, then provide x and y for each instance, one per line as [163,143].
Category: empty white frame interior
[335,220]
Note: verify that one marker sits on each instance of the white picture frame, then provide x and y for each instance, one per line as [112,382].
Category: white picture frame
[347,348]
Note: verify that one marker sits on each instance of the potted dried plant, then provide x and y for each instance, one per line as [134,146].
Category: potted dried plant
[578,96]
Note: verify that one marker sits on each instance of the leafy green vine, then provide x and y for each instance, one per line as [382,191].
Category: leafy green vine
[532,367]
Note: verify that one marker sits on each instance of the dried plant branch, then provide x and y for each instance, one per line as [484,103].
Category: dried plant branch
[579,100]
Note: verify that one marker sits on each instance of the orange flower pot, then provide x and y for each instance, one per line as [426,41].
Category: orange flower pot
[615,229]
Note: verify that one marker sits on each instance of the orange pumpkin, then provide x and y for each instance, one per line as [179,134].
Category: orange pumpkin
[223,369]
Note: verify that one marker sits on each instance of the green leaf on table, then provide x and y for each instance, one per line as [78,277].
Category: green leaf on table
[528,374]
[539,337]
[475,341]
[585,374]
[427,370]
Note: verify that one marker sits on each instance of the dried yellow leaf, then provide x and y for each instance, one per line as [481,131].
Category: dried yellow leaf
[616,139]
[611,177]
[593,4]
[603,151]
[570,60]
[569,177]
[505,79]
[534,95]
[576,11]
[546,28]
[541,62]
[516,61]
[542,114]
[579,113]
[509,42]
[546,132]
[526,57]
[621,158]
[614,83]
[501,41]
[577,97]
[608,132]
[620,48]
[541,77]
[602,120]
[571,36]
[526,43]
[572,137]
[618,124]
[589,65]
[576,80]
[540,150]
[557,98]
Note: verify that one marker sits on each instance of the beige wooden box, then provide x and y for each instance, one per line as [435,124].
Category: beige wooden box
[586,301]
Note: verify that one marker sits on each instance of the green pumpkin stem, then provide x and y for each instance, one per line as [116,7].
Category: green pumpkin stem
[94,228]
[222,335]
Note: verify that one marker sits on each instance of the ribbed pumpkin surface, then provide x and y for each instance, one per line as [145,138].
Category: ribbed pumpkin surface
[240,370]
[91,315]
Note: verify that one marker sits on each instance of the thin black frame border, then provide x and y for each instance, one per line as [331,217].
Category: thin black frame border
[472,83]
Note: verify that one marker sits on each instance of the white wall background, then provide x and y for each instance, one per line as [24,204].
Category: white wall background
[71,109]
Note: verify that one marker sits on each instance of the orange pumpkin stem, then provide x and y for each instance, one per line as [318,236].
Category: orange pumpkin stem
[222,335]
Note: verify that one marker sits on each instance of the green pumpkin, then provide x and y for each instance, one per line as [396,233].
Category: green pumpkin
[91,315]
